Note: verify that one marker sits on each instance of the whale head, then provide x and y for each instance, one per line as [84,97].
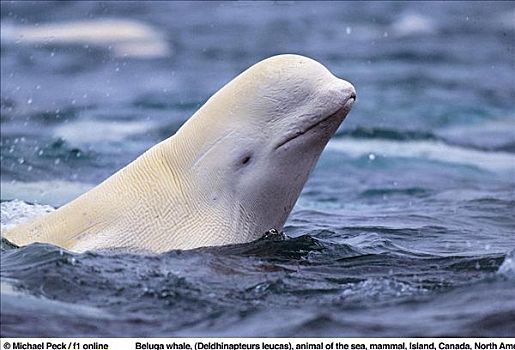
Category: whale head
[259,137]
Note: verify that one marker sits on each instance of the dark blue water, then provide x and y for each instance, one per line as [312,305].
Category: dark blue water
[405,228]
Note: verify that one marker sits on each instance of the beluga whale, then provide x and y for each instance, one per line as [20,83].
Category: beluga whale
[232,172]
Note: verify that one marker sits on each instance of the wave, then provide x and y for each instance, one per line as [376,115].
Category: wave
[387,134]
[126,38]
[494,135]
[434,150]
[325,271]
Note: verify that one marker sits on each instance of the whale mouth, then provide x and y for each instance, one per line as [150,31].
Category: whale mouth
[345,110]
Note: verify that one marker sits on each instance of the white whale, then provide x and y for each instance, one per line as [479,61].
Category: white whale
[126,38]
[232,172]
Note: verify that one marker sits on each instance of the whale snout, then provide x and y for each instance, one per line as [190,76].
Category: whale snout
[347,89]
[344,94]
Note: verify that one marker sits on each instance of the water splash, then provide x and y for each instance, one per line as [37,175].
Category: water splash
[507,269]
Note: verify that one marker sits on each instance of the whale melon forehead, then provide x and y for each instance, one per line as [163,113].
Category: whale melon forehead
[291,66]
[279,82]
[288,60]
[274,85]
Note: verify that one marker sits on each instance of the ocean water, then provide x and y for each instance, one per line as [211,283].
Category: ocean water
[405,228]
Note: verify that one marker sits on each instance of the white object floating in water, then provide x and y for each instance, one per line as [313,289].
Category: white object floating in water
[125,38]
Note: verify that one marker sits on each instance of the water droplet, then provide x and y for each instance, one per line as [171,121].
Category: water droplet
[117,69]
[57,161]
[38,87]
[385,35]
[371,156]
[348,30]
[21,160]
[29,101]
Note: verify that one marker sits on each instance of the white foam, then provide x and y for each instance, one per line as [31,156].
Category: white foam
[6,288]
[126,38]
[379,288]
[507,268]
[54,193]
[432,150]
[16,212]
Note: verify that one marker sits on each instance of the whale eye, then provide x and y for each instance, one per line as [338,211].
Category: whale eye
[245,160]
